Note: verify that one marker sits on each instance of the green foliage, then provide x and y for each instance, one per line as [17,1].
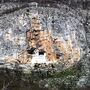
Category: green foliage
[65,73]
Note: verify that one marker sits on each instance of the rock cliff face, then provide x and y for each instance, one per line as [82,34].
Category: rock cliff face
[57,31]
[35,34]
